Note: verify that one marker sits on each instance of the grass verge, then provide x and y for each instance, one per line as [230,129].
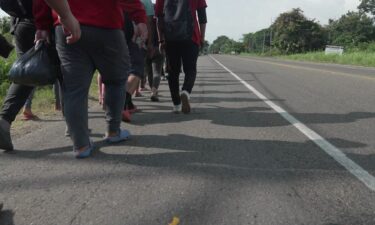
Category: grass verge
[356,58]
[351,58]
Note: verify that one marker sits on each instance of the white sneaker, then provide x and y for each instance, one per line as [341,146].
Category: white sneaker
[177,109]
[185,97]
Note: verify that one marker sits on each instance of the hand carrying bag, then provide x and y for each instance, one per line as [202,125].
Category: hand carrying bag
[37,67]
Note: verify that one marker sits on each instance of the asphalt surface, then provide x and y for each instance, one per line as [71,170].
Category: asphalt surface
[233,160]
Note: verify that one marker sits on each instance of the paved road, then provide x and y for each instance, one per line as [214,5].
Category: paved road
[234,160]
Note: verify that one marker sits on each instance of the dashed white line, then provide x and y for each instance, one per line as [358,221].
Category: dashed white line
[326,146]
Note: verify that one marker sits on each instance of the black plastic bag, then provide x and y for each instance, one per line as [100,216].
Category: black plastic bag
[37,67]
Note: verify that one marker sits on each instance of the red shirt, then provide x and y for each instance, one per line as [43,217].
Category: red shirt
[98,13]
[194,4]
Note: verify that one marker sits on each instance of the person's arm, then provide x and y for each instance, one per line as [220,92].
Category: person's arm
[159,13]
[202,17]
[150,46]
[137,14]
[69,22]
[43,20]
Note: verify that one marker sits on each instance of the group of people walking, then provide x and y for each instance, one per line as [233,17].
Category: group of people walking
[122,39]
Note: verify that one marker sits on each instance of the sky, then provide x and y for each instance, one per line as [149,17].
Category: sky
[236,17]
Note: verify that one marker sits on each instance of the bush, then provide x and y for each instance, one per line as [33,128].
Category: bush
[5,65]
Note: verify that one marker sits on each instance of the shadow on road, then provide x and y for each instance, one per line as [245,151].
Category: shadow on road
[6,217]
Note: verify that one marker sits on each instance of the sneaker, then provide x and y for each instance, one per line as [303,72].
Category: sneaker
[5,140]
[86,153]
[126,116]
[154,98]
[67,133]
[185,97]
[176,109]
[122,135]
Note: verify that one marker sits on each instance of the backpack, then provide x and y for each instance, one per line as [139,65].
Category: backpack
[178,20]
[18,8]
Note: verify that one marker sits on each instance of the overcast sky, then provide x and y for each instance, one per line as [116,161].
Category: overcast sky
[236,17]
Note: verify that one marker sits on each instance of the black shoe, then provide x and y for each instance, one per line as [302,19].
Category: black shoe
[154,98]
[5,140]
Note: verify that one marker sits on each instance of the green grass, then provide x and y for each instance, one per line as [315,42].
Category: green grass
[351,58]
[5,65]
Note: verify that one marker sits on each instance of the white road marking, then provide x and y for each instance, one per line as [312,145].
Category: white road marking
[326,146]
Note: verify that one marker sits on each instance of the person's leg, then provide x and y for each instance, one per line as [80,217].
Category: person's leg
[174,63]
[113,66]
[190,54]
[56,90]
[17,94]
[29,101]
[77,69]
[148,71]
[132,84]
[100,88]
[27,112]
[136,71]
[157,67]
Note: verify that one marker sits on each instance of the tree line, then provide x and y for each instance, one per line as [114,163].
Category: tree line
[292,32]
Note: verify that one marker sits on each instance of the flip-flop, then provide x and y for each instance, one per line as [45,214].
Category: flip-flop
[122,135]
[27,117]
[86,153]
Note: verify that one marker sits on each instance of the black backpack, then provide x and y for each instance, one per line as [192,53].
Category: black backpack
[178,20]
[18,8]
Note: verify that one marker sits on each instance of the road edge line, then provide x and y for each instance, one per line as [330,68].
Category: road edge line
[339,156]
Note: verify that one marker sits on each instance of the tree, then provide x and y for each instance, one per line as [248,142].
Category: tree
[4,25]
[219,44]
[351,29]
[294,33]
[204,48]
[367,6]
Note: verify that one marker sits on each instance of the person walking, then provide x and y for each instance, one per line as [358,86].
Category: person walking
[138,49]
[154,63]
[101,47]
[23,29]
[24,32]
[181,35]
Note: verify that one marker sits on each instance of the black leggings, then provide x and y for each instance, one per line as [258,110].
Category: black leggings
[183,53]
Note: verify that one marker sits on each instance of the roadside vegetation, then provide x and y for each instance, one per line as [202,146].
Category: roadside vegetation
[293,36]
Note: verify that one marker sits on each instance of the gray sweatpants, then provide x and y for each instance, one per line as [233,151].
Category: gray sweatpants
[98,49]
